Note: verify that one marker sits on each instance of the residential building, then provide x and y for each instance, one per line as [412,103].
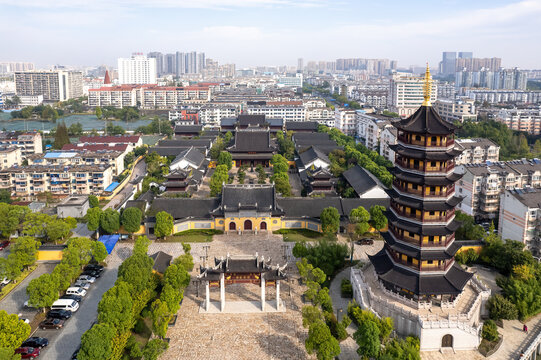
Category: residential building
[456,110]
[138,69]
[132,141]
[159,61]
[212,114]
[388,137]
[28,142]
[52,85]
[528,120]
[477,151]
[184,117]
[286,110]
[407,94]
[520,217]
[14,66]
[500,79]
[30,100]
[82,156]
[319,114]
[503,96]
[482,184]
[294,81]
[345,121]
[446,90]
[10,155]
[448,63]
[29,181]
[476,64]
[369,128]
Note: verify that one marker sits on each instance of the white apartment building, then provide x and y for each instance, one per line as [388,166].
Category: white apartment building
[477,151]
[504,96]
[137,70]
[520,217]
[482,184]
[113,158]
[52,85]
[28,142]
[10,156]
[345,121]
[528,120]
[212,114]
[291,81]
[314,102]
[319,113]
[388,137]
[31,100]
[28,181]
[286,110]
[406,94]
[456,110]
[369,128]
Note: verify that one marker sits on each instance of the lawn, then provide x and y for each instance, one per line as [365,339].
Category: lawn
[296,235]
[193,236]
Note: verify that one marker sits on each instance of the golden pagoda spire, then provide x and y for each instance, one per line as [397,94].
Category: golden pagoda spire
[427,88]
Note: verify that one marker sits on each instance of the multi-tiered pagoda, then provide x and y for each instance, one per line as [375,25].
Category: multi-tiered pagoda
[418,257]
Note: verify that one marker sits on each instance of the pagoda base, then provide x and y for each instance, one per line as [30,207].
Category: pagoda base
[241,307]
[439,325]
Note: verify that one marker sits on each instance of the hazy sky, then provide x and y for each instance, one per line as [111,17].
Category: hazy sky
[270,32]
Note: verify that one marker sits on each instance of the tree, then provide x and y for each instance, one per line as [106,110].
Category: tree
[131,219]
[99,113]
[42,291]
[360,217]
[218,178]
[490,331]
[5,196]
[399,349]
[310,314]
[227,137]
[12,330]
[75,129]
[58,229]
[330,220]
[137,272]
[321,341]
[79,252]
[279,163]
[93,201]
[367,337]
[61,136]
[25,250]
[176,276]
[99,251]
[468,230]
[141,245]
[281,183]
[171,297]
[154,348]
[226,159]
[164,224]
[10,268]
[97,343]
[11,216]
[501,308]
[160,315]
[115,307]
[377,219]
[93,216]
[109,221]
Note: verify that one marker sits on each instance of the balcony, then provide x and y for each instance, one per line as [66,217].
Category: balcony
[427,244]
[423,216]
[404,163]
[426,142]
[424,191]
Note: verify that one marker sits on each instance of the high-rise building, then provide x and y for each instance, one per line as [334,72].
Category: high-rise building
[180,61]
[170,64]
[511,79]
[159,61]
[52,85]
[300,64]
[407,93]
[138,69]
[11,67]
[448,63]
[200,62]
[465,55]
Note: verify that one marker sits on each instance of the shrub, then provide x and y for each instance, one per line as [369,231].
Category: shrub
[490,331]
[501,308]
[140,326]
[346,289]
[467,257]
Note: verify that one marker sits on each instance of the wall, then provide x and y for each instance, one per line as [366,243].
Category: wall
[49,255]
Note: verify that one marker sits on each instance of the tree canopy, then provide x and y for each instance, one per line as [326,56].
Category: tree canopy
[97,343]
[131,219]
[12,330]
[110,221]
[218,178]
[164,224]
[330,220]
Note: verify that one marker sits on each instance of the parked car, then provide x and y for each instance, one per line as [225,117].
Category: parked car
[86,278]
[51,323]
[28,352]
[77,298]
[5,282]
[82,284]
[75,353]
[27,305]
[94,267]
[94,273]
[365,241]
[24,319]
[35,342]
[59,314]
[4,244]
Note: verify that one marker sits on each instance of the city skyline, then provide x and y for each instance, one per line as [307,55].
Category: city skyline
[258,32]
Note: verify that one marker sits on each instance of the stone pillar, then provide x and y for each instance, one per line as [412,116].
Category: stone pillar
[277,295]
[222,292]
[207,296]
[262,293]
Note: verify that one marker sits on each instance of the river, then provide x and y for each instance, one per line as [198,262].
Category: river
[89,122]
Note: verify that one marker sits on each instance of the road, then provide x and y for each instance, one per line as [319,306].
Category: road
[139,170]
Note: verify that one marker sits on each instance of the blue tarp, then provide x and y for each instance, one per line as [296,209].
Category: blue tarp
[109,241]
[112,186]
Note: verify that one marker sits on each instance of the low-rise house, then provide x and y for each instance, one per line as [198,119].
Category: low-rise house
[132,141]
[477,151]
[10,156]
[74,206]
[365,185]
[28,142]
[388,137]
[188,159]
[188,130]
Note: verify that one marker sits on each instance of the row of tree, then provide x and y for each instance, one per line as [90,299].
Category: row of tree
[45,112]
[126,113]
[156,126]
[109,221]
[46,289]
[23,254]
[280,177]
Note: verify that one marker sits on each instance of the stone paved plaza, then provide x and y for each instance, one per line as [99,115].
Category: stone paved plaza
[239,336]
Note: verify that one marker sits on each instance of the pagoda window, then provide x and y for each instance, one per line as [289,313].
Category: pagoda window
[414,186]
[432,213]
[409,260]
[433,163]
[430,262]
[434,140]
[431,239]
[417,137]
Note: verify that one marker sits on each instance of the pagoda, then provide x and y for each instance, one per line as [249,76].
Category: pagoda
[417,260]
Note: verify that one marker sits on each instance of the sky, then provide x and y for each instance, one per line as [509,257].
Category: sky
[270,32]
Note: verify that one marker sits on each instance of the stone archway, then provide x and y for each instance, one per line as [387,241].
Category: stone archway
[232,226]
[447,341]
[263,225]
[248,225]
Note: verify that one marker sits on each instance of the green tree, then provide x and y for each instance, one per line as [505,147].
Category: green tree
[11,217]
[226,159]
[399,349]
[57,230]
[377,219]
[360,217]
[93,216]
[367,337]
[5,196]
[75,129]
[501,308]
[9,354]
[171,297]
[79,251]
[61,136]
[109,221]
[10,268]
[176,276]
[279,163]
[25,250]
[281,183]
[97,343]
[227,137]
[310,314]
[115,307]
[93,201]
[330,220]
[164,224]
[160,315]
[99,251]
[154,348]
[141,245]
[42,291]
[131,219]
[490,331]
[468,229]
[12,330]
[98,112]
[321,341]
[137,272]
[218,178]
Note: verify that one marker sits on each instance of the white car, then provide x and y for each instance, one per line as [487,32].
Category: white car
[86,278]
[27,305]
[5,282]
[82,284]
[23,319]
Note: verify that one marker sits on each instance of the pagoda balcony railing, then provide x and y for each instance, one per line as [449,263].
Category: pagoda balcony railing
[427,142]
[404,164]
[423,217]
[422,192]
[420,267]
[449,239]
[433,267]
